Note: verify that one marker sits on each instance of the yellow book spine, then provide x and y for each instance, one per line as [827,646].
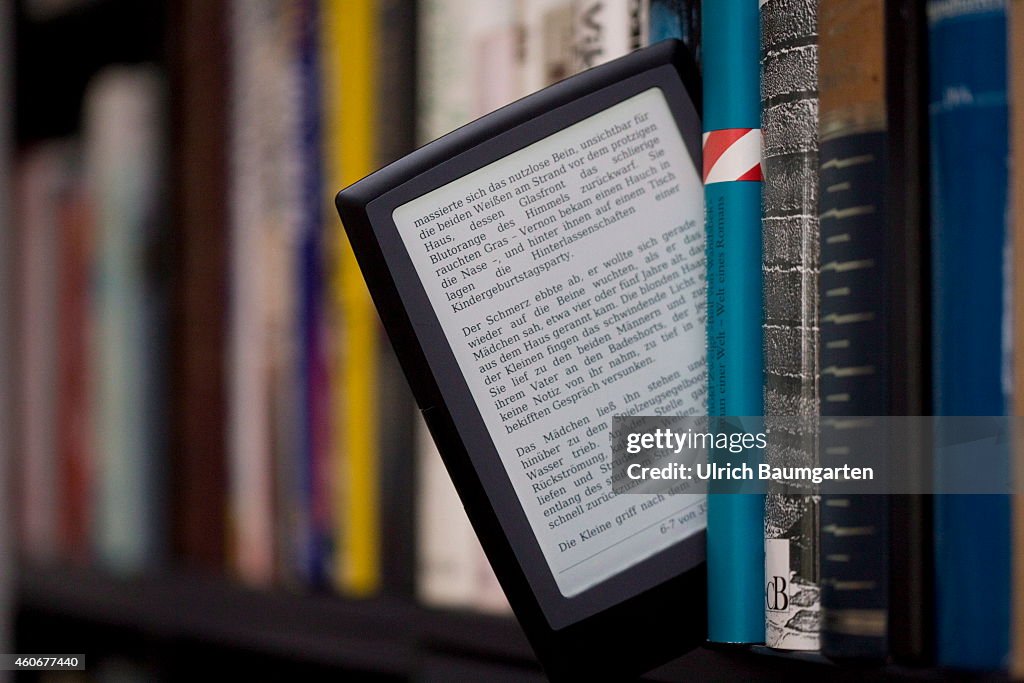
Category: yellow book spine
[349,81]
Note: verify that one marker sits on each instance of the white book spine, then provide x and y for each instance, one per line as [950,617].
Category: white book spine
[250,493]
[447,550]
[547,45]
[124,157]
[606,29]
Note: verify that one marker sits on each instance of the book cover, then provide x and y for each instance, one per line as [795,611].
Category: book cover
[969,150]
[789,164]
[732,196]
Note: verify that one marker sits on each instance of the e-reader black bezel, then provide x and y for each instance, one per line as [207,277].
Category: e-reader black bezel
[608,628]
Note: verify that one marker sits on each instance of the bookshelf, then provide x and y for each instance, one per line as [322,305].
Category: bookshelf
[172,615]
[186,611]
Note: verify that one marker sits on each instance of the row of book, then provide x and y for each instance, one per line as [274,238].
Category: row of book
[201,378]
[200,374]
[890,285]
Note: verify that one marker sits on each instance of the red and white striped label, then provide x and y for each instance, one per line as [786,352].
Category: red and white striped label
[732,154]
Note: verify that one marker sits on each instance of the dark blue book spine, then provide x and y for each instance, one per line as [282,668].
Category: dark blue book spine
[314,558]
[852,285]
[969,150]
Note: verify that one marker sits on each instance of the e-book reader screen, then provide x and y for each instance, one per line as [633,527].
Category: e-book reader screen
[568,278]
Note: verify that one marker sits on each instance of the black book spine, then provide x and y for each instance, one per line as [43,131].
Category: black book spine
[875,549]
[911,585]
[396,129]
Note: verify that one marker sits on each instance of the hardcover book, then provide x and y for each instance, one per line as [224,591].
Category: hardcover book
[968,107]
[875,552]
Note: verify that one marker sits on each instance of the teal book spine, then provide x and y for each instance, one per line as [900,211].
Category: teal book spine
[732,196]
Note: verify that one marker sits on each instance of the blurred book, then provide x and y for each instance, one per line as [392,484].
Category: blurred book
[43,181]
[547,50]
[261,349]
[605,29]
[124,140]
[198,185]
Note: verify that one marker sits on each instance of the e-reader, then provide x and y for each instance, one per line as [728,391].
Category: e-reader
[539,271]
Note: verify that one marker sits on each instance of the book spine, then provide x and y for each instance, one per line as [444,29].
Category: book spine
[1015,11]
[852,290]
[606,29]
[39,188]
[396,137]
[517,48]
[911,594]
[446,547]
[282,219]
[314,486]
[199,187]
[969,140]
[73,421]
[353,35]
[124,161]
[732,178]
[255,79]
[789,118]
[547,48]
[396,92]
[444,75]
[7,321]
[679,19]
